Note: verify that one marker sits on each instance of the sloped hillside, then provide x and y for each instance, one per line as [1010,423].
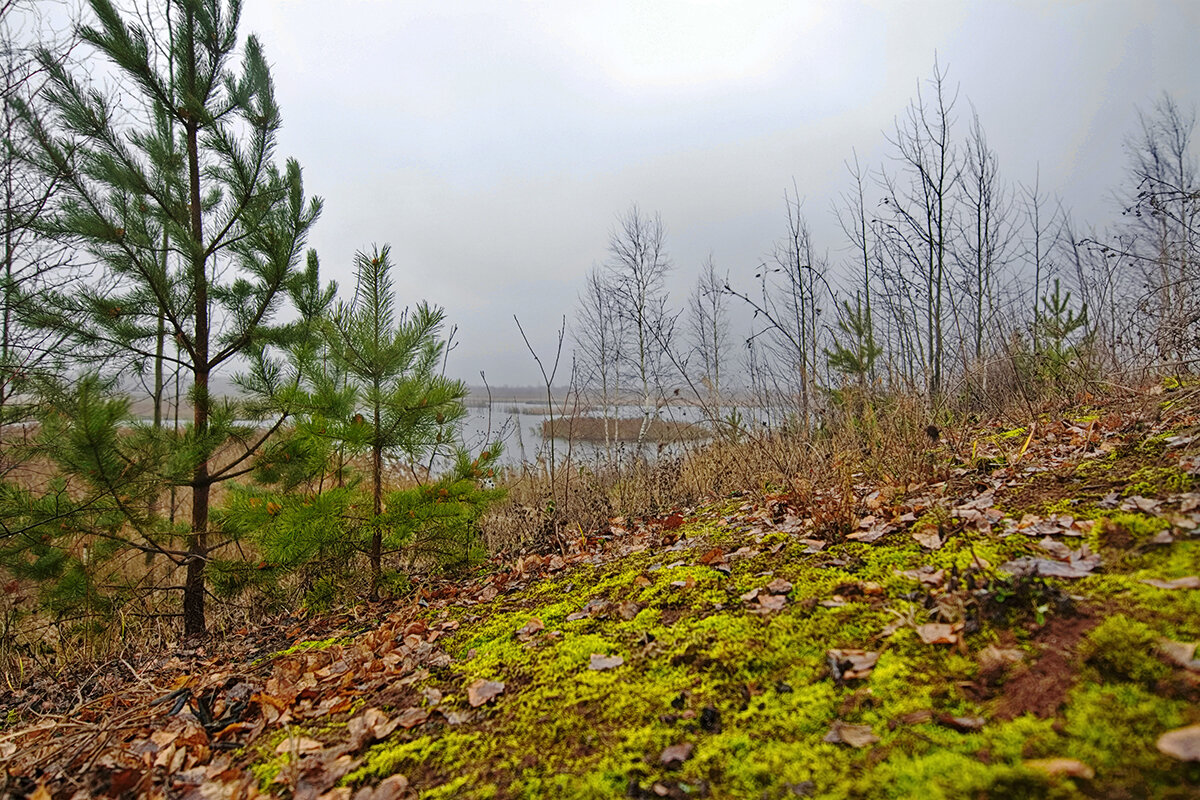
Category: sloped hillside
[1020,622]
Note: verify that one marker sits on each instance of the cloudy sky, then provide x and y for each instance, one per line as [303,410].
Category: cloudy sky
[492,144]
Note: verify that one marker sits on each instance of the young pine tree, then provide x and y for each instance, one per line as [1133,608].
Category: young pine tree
[177,194]
[405,407]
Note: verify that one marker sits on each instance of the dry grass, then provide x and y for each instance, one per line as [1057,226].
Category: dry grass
[598,429]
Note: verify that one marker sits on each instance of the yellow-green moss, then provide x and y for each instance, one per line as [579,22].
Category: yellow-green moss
[1157,481]
[1123,649]
[563,730]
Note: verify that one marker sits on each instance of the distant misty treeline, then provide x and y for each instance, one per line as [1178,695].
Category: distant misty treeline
[960,282]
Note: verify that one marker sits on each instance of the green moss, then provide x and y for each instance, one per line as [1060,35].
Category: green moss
[1113,729]
[1157,482]
[563,730]
[1121,648]
[309,646]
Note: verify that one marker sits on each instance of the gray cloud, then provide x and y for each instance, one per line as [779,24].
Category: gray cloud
[492,144]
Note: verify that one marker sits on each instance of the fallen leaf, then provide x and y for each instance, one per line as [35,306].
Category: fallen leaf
[393,787]
[599,661]
[938,633]
[412,717]
[853,735]
[674,756]
[714,556]
[482,691]
[779,586]
[1181,743]
[928,539]
[1062,766]
[1182,654]
[297,744]
[993,660]
[961,724]
[926,575]
[1187,582]
[530,629]
[851,664]
[771,602]
[455,717]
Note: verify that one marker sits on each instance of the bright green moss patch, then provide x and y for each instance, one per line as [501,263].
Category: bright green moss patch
[1121,648]
[751,689]
[1151,481]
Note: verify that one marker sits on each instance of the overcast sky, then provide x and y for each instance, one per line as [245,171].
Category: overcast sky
[492,144]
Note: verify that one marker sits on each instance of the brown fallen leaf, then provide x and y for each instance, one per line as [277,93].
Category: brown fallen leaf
[927,576]
[1182,654]
[928,539]
[629,610]
[530,629]
[1188,582]
[412,717]
[674,756]
[847,665]
[961,724]
[482,691]
[1181,743]
[455,717]
[994,661]
[714,556]
[598,662]
[938,633]
[779,586]
[372,725]
[297,744]
[771,602]
[853,735]
[390,788]
[1062,766]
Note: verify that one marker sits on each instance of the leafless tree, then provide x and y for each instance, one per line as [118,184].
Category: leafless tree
[709,322]
[919,202]
[637,267]
[1043,231]
[600,335]
[985,230]
[1163,230]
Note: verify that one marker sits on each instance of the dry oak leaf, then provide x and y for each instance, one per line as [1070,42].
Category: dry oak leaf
[482,691]
[779,586]
[771,602]
[529,629]
[930,540]
[599,662]
[853,735]
[298,744]
[369,726]
[1187,582]
[851,664]
[1181,743]
[412,717]
[938,633]
[674,756]
[1182,654]
[391,788]
[1062,766]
